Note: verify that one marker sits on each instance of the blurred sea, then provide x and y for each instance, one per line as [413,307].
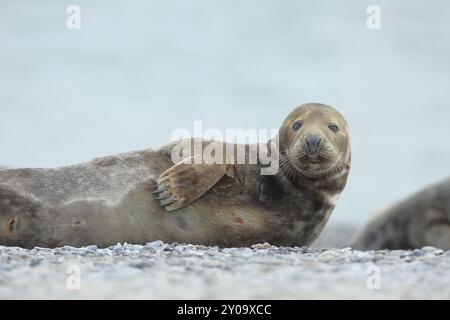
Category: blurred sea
[137,70]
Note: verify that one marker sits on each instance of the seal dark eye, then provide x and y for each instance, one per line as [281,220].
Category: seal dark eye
[333,128]
[297,126]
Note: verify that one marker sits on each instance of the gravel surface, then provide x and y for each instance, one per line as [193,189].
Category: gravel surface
[336,235]
[162,271]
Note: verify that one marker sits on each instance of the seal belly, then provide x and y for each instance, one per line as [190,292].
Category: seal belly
[220,217]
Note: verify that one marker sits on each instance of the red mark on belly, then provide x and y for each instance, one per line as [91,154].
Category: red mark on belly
[238,220]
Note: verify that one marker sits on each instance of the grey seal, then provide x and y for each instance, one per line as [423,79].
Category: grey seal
[143,196]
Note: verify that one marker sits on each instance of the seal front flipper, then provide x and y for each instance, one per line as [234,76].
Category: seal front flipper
[185,182]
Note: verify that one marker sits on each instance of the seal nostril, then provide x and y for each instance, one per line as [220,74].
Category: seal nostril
[313,141]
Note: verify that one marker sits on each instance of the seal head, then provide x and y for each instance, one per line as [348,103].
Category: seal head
[314,142]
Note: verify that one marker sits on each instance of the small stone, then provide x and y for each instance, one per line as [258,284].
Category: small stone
[131,247]
[106,252]
[92,247]
[68,248]
[168,248]
[142,265]
[151,250]
[408,259]
[42,249]
[154,244]
[179,248]
[264,245]
[35,262]
[117,250]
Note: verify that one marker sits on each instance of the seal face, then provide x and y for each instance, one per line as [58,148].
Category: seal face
[314,141]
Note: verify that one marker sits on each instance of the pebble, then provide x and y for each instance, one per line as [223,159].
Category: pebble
[155,244]
[264,245]
[35,262]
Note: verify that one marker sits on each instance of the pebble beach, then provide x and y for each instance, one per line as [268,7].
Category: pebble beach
[181,271]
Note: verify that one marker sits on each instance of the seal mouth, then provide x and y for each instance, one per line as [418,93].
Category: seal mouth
[313,165]
[320,155]
[320,172]
[313,159]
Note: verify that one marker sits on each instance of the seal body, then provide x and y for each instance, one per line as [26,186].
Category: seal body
[109,200]
[422,219]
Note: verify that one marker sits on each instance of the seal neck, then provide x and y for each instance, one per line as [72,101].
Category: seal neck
[323,189]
